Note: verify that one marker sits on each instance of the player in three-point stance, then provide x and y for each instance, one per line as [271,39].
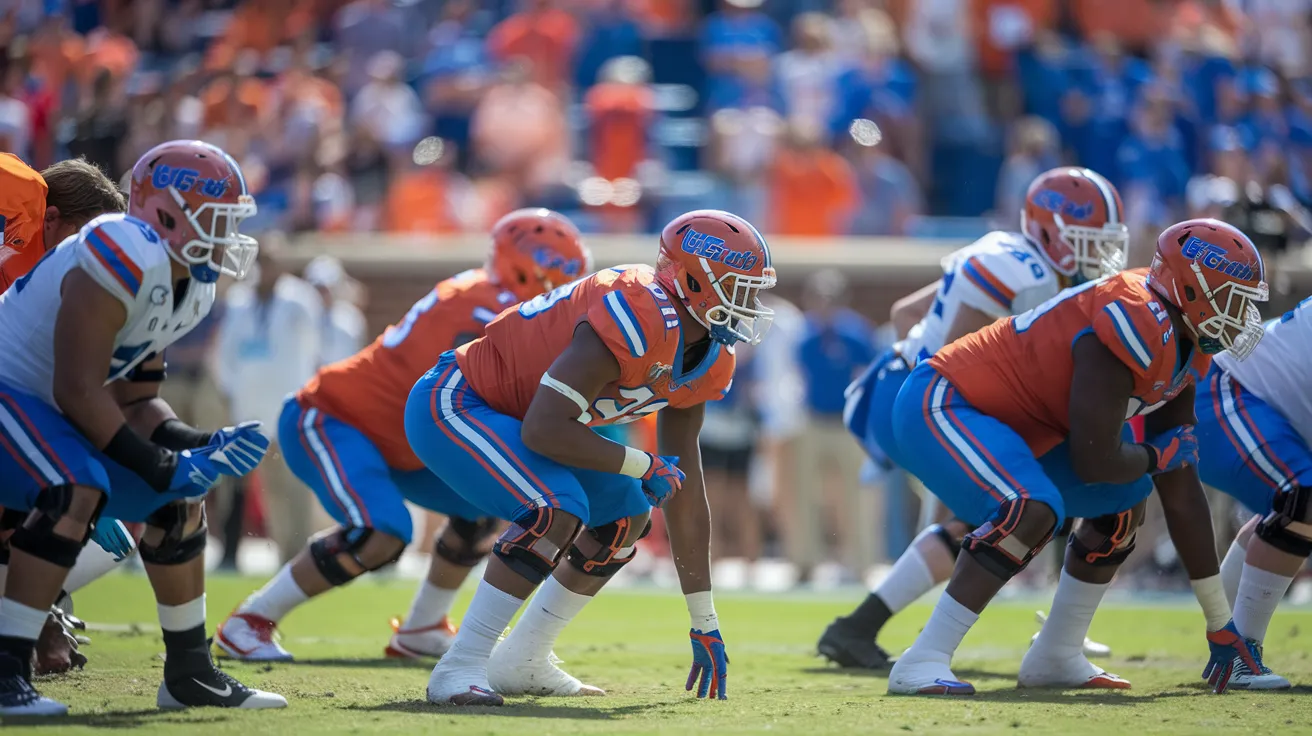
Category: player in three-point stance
[344,436]
[84,332]
[1022,424]
[505,419]
[1254,430]
[1072,232]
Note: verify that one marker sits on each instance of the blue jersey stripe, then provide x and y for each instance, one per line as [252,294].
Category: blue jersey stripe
[111,260]
[979,280]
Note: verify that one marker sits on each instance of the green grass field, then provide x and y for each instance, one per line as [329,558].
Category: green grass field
[634,644]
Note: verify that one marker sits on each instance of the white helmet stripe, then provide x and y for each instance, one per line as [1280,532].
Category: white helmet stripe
[1108,197]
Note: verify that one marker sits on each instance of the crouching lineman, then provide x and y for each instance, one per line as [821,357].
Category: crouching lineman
[1254,426]
[1072,232]
[106,302]
[504,420]
[1022,424]
[343,435]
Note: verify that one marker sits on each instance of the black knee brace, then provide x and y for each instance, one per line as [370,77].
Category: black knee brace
[525,549]
[953,544]
[37,537]
[177,547]
[345,541]
[1288,527]
[995,545]
[1119,533]
[610,539]
[475,541]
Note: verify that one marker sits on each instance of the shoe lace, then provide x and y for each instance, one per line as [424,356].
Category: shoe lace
[264,629]
[1241,668]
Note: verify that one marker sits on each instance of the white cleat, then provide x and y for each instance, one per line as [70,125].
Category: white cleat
[1092,649]
[1038,669]
[915,673]
[251,638]
[461,683]
[514,675]
[428,642]
[19,698]
[1263,679]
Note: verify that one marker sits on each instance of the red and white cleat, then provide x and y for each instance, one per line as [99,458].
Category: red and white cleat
[461,683]
[429,642]
[251,638]
[1039,669]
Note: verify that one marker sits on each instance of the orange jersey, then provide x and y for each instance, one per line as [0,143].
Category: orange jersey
[634,318]
[369,389]
[22,217]
[1019,370]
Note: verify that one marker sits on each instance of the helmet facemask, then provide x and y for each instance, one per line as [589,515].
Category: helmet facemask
[739,316]
[1238,326]
[224,222]
[1099,251]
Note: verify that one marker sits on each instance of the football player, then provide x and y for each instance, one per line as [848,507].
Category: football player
[343,435]
[1022,424]
[84,332]
[505,419]
[1254,425]
[1072,232]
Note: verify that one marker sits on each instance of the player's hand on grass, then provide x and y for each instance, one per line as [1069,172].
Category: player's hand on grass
[710,664]
[1172,449]
[113,537]
[238,450]
[1228,647]
[662,479]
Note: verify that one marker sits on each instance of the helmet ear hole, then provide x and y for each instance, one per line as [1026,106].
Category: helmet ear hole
[1189,293]
[1043,234]
[692,284]
[166,220]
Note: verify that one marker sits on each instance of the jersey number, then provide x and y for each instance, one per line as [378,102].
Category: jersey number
[937,309]
[542,302]
[1027,257]
[637,405]
[1025,321]
[396,334]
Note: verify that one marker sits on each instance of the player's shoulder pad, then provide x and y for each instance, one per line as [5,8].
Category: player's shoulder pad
[472,294]
[122,253]
[1136,324]
[637,306]
[995,269]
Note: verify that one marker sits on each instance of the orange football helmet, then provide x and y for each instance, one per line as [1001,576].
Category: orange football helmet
[194,195]
[1073,217]
[535,250]
[1212,272]
[717,263]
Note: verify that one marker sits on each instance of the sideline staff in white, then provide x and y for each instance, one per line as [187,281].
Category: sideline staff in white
[343,322]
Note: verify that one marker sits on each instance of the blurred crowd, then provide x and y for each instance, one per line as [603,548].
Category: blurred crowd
[810,117]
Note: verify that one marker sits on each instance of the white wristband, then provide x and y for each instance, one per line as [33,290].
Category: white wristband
[636,463]
[1211,596]
[701,608]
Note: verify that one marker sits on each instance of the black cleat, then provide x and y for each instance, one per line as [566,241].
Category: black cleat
[843,645]
[18,698]
[214,689]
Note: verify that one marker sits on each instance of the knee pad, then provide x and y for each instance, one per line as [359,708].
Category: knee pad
[1118,532]
[613,552]
[475,541]
[525,549]
[37,537]
[177,547]
[327,549]
[952,543]
[1288,527]
[1000,547]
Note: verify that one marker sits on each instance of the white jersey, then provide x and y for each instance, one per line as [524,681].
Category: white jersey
[1277,370]
[129,260]
[1000,275]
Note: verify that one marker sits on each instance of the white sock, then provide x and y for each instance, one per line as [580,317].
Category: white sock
[431,604]
[1232,568]
[1073,607]
[946,627]
[4,575]
[1260,592]
[21,621]
[185,617]
[909,579]
[548,613]
[489,614]
[92,564]
[277,598]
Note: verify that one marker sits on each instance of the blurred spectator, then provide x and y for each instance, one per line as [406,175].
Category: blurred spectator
[742,149]
[456,73]
[101,124]
[889,193]
[519,130]
[367,28]
[1281,34]
[1104,85]
[544,34]
[854,22]
[813,190]
[779,398]
[1265,209]
[1031,150]
[727,439]
[738,41]
[1151,168]
[808,71]
[15,118]
[419,197]
[880,87]
[619,110]
[269,344]
[387,106]
[938,41]
[1001,28]
[836,345]
[343,323]
[610,31]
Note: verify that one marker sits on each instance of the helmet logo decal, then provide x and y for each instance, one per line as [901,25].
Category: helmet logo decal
[1054,201]
[550,260]
[185,180]
[1212,257]
[712,249]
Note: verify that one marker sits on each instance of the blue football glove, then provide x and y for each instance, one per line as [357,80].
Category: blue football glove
[662,479]
[197,472]
[238,449]
[1228,647]
[1172,449]
[113,537]
[710,664]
